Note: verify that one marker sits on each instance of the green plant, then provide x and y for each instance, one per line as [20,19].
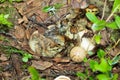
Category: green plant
[52,9]
[100,24]
[4,23]
[10,50]
[103,67]
[1,1]
[81,75]
[3,38]
[97,38]
[34,74]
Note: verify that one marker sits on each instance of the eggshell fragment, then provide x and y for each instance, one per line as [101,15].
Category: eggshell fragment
[77,54]
[61,77]
[87,44]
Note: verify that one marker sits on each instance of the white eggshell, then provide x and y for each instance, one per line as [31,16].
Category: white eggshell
[62,78]
[87,44]
[77,54]
[81,33]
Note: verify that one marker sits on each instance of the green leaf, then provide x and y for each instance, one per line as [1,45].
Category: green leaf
[34,73]
[117,20]
[14,1]
[26,56]
[115,77]
[90,53]
[98,25]
[85,60]
[4,21]
[6,16]
[47,8]
[91,78]
[101,53]
[82,76]
[116,5]
[109,61]
[103,77]
[58,5]
[92,17]
[1,1]
[25,59]
[112,25]
[103,66]
[92,64]
[97,38]
[116,59]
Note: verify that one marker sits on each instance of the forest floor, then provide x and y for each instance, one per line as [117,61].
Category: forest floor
[38,39]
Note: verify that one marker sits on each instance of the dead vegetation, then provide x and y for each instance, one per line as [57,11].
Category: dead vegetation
[57,37]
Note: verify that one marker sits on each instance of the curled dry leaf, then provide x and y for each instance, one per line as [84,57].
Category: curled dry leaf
[3,57]
[78,54]
[19,32]
[79,4]
[60,59]
[41,65]
[62,77]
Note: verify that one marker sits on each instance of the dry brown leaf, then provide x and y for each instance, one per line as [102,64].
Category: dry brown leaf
[25,19]
[27,33]
[7,74]
[79,4]
[57,59]
[3,57]
[41,65]
[19,32]
[79,1]
[29,7]
[20,20]
[105,38]
[41,16]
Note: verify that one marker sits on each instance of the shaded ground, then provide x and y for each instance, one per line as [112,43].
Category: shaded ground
[28,17]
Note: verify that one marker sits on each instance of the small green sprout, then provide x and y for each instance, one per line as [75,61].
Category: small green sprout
[1,1]
[4,21]
[26,56]
[10,50]
[52,8]
[97,38]
[34,74]
[81,75]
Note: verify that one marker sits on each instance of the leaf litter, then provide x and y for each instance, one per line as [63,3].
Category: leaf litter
[31,18]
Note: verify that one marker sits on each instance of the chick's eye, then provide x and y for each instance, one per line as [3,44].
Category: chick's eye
[95,10]
[88,10]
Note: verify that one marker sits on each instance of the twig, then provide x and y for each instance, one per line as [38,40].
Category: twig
[43,25]
[116,43]
[103,13]
[109,17]
[112,13]
[8,34]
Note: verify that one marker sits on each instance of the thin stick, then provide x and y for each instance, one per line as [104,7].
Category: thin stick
[109,17]
[103,13]
[116,43]
[112,13]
